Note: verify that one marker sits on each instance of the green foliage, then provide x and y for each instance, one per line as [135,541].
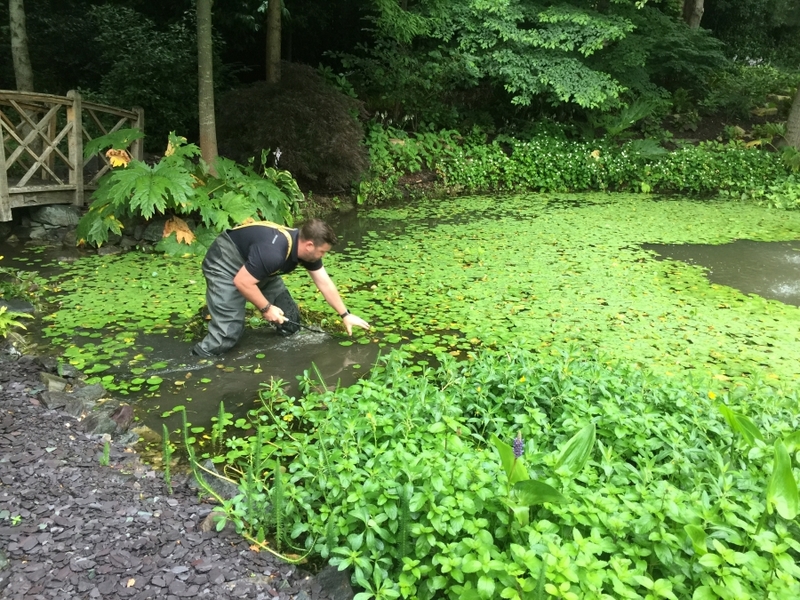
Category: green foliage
[394,154]
[643,501]
[736,91]
[616,123]
[166,456]
[756,29]
[9,319]
[176,185]
[452,64]
[118,140]
[145,65]
[559,165]
[105,456]
[20,283]
[784,193]
[661,52]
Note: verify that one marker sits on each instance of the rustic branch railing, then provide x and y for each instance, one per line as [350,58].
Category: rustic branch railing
[41,157]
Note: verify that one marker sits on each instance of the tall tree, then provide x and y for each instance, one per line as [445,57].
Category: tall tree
[793,124]
[693,12]
[23,71]
[274,41]
[205,71]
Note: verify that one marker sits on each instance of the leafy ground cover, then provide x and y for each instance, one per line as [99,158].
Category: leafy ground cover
[514,476]
[525,464]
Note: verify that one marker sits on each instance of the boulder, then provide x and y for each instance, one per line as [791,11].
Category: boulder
[18,306]
[58,215]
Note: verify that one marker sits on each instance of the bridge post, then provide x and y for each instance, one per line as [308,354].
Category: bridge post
[5,197]
[76,146]
[137,147]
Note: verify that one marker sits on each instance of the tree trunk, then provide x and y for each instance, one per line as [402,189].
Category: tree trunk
[274,41]
[693,12]
[205,73]
[19,46]
[793,124]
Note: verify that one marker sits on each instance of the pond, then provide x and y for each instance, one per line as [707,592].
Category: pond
[767,269]
[455,276]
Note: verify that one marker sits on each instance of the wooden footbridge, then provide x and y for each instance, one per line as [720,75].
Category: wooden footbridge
[41,157]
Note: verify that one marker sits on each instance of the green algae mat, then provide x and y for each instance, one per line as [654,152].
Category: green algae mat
[456,275]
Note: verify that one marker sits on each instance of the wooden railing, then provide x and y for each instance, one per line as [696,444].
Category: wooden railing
[41,157]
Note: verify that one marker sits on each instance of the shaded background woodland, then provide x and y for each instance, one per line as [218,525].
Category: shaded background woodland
[583,69]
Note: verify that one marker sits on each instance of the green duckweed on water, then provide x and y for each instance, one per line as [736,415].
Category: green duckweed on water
[568,269]
[460,274]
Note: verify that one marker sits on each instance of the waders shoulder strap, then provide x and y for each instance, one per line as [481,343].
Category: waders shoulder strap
[282,228]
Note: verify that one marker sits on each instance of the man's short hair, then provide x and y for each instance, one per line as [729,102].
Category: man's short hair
[319,232]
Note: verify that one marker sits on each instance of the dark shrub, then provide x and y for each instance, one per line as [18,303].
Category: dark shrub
[315,126]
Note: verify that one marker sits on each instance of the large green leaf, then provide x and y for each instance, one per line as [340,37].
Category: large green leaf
[576,452]
[782,488]
[532,492]
[741,425]
[698,536]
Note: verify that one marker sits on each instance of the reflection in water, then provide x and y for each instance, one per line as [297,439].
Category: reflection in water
[768,269]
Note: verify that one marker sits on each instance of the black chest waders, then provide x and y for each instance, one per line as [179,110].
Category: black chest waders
[227,306]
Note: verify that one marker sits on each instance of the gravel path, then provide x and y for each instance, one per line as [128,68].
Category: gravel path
[71,528]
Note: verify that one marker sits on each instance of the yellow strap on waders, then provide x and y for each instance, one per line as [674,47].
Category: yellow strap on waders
[282,228]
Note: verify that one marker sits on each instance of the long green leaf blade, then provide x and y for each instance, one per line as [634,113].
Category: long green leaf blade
[577,451]
[782,488]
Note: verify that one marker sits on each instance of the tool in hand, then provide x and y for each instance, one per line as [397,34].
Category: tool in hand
[313,328]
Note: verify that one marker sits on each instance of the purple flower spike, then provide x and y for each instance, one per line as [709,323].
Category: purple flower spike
[519,446]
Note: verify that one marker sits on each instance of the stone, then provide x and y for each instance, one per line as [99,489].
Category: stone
[58,215]
[70,238]
[90,393]
[67,371]
[123,417]
[75,406]
[336,583]
[55,399]
[98,423]
[222,488]
[54,383]
[108,250]
[154,231]
[210,522]
[38,232]
[147,435]
[19,306]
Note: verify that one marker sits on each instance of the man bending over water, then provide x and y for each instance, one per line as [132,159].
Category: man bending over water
[245,264]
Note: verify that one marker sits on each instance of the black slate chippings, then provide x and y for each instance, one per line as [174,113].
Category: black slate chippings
[72,528]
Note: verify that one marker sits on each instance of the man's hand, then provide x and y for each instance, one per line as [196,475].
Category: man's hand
[274,314]
[351,320]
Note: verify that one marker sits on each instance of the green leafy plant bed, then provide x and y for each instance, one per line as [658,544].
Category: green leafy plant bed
[528,475]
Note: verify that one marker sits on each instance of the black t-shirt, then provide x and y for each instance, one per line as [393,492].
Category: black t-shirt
[264,250]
